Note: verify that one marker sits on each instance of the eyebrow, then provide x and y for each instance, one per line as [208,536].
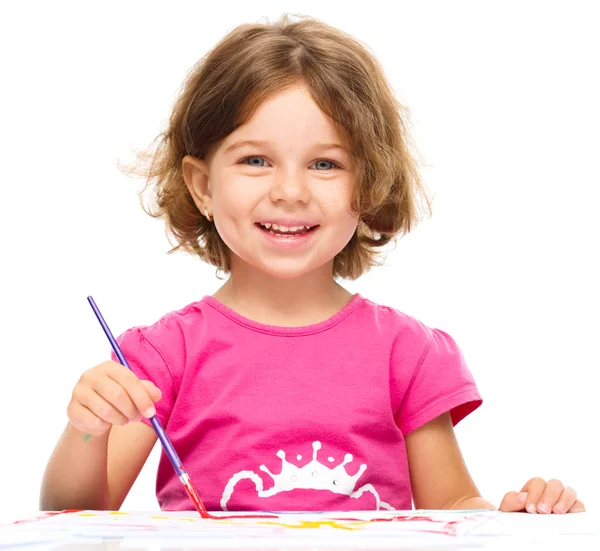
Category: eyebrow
[259,143]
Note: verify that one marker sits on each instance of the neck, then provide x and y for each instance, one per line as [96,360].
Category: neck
[304,300]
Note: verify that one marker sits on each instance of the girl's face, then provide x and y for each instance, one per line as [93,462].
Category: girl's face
[295,172]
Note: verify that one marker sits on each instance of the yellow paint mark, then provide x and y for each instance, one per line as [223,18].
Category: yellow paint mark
[117,513]
[87,515]
[318,524]
[165,518]
[190,519]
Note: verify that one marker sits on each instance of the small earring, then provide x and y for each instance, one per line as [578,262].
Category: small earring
[207,215]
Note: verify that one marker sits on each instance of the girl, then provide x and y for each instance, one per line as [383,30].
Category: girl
[286,164]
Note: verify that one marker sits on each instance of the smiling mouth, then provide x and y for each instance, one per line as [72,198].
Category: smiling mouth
[287,233]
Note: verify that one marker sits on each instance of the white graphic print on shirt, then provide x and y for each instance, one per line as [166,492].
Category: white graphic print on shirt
[313,476]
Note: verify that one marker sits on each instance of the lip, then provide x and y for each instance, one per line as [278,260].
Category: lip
[286,243]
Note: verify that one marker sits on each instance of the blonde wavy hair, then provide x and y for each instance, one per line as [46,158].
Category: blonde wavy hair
[226,86]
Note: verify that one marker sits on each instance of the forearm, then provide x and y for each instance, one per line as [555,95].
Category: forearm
[474,503]
[76,474]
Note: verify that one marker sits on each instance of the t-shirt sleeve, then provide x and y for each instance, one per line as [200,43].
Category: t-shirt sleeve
[441,382]
[148,364]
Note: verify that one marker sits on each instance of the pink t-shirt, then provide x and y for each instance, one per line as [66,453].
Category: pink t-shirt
[306,418]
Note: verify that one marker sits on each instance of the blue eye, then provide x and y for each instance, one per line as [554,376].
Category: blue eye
[326,161]
[320,161]
[252,164]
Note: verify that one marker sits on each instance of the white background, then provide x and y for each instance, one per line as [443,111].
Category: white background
[505,111]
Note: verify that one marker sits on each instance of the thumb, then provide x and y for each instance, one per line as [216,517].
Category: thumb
[513,502]
[152,390]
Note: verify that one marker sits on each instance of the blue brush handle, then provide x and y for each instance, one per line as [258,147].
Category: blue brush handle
[162,435]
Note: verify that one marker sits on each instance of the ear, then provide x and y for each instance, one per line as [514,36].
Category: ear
[195,175]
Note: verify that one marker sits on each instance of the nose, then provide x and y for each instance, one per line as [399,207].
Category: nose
[289,187]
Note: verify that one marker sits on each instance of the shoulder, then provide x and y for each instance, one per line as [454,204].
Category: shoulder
[396,324]
[172,328]
[172,342]
[409,340]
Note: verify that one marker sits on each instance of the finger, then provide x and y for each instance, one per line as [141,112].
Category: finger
[101,408]
[566,501]
[134,387]
[535,488]
[154,392]
[117,396]
[578,507]
[513,502]
[84,420]
[552,492]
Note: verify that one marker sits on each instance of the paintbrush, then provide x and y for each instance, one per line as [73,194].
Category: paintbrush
[162,435]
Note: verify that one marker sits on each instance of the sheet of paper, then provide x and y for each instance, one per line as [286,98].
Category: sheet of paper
[289,530]
[356,529]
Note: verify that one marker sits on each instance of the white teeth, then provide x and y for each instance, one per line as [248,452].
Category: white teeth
[276,227]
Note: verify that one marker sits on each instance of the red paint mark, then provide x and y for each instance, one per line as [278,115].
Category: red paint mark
[397,518]
[243,516]
[449,529]
[204,514]
[46,515]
